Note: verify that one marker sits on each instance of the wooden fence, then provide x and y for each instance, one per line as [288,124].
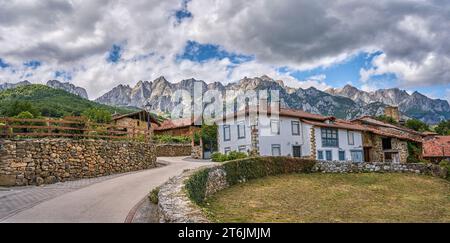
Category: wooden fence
[77,128]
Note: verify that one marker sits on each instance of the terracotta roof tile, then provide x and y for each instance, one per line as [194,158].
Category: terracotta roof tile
[438,146]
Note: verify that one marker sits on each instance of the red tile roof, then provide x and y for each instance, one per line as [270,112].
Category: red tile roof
[388,130]
[288,113]
[438,146]
[340,124]
[174,124]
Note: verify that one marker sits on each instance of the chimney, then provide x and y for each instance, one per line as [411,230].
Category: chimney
[393,112]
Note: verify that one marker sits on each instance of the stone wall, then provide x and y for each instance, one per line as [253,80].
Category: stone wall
[349,167]
[47,161]
[197,152]
[173,150]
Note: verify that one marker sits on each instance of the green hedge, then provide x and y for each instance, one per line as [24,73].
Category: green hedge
[196,186]
[240,171]
[219,157]
[167,139]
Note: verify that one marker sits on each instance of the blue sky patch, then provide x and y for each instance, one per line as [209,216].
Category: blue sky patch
[183,13]
[114,54]
[3,64]
[63,75]
[33,64]
[197,52]
[341,74]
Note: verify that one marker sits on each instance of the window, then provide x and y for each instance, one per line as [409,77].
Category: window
[227,150]
[243,149]
[226,133]
[320,155]
[295,128]
[351,138]
[241,130]
[387,144]
[357,156]
[342,155]
[276,150]
[275,127]
[329,155]
[330,137]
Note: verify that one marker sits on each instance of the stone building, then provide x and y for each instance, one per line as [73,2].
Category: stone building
[385,142]
[436,148]
[183,127]
[141,120]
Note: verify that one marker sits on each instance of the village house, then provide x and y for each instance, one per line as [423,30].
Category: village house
[184,127]
[291,133]
[386,142]
[436,148]
[142,122]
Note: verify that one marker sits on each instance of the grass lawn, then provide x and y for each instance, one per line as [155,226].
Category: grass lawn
[334,198]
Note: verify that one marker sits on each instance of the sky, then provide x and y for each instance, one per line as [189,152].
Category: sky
[99,44]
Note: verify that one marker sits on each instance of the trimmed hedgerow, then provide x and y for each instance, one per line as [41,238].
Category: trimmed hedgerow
[248,169]
[239,171]
[196,186]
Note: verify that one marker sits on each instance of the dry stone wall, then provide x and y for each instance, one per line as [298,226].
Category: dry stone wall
[47,161]
[349,167]
[173,150]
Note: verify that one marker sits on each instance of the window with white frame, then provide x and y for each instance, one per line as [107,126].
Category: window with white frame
[243,149]
[276,150]
[320,155]
[295,128]
[351,138]
[226,133]
[275,127]
[227,150]
[330,137]
[241,130]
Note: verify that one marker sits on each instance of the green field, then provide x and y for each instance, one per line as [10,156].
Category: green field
[334,198]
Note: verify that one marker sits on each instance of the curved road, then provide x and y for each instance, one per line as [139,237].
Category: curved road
[108,201]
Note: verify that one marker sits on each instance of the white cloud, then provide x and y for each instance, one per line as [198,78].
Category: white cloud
[75,36]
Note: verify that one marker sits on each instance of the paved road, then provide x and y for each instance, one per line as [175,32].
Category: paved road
[107,201]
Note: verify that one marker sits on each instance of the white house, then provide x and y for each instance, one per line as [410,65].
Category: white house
[292,133]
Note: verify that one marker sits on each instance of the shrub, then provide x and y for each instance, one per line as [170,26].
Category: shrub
[196,186]
[446,164]
[172,139]
[153,197]
[219,157]
[98,115]
[387,119]
[417,125]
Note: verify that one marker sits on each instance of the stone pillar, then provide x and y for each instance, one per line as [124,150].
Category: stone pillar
[255,141]
[313,143]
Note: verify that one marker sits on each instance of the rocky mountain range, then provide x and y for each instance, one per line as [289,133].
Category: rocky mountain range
[51,83]
[346,103]
[415,105]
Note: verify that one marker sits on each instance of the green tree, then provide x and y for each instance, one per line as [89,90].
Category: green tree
[98,115]
[209,136]
[387,119]
[17,107]
[417,125]
[443,128]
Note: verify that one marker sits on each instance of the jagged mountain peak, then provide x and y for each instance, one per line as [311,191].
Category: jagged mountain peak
[69,87]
